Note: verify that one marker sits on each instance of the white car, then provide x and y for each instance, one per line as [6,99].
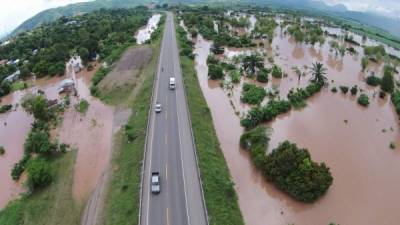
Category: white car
[157,108]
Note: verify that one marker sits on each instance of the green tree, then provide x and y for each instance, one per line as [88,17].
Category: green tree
[251,62]
[387,82]
[37,106]
[39,173]
[215,71]
[38,142]
[318,72]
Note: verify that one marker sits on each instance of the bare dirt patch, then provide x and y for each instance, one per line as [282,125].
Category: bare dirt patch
[127,69]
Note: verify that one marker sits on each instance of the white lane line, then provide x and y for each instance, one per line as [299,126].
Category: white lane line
[166,171]
[153,124]
[179,131]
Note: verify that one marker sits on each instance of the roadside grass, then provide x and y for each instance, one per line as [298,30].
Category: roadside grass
[51,205]
[220,196]
[123,192]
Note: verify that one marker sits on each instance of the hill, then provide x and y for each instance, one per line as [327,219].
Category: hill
[73,10]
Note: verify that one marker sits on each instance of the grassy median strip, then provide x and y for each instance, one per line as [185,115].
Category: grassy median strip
[122,200]
[51,205]
[220,195]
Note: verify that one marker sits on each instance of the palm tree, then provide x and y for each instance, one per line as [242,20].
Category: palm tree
[318,72]
[251,62]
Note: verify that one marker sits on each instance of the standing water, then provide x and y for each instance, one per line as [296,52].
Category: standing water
[352,140]
[144,33]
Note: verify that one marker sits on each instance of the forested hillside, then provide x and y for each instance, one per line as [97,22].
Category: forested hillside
[73,10]
[45,50]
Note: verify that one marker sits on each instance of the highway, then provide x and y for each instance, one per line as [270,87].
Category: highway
[170,149]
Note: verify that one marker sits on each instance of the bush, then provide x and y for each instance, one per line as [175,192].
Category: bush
[262,76]
[37,105]
[252,94]
[235,76]
[276,71]
[395,98]
[2,150]
[334,89]
[5,108]
[215,72]
[354,90]
[363,100]
[19,167]
[292,170]
[387,83]
[288,167]
[297,97]
[344,89]
[38,142]
[373,80]
[82,106]
[39,173]
[265,113]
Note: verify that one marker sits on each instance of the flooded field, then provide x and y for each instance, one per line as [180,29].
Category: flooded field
[352,140]
[144,33]
[90,134]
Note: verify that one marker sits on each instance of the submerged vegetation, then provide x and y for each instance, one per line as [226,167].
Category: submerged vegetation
[253,94]
[290,168]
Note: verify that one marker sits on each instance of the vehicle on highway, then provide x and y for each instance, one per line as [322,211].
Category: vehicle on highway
[158,107]
[155,183]
[172,83]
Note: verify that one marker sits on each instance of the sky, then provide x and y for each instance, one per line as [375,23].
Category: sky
[390,8]
[15,12]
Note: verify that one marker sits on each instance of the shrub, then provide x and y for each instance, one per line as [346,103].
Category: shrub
[82,106]
[252,94]
[38,142]
[288,167]
[292,170]
[215,72]
[262,76]
[354,90]
[387,83]
[39,173]
[2,150]
[265,113]
[395,98]
[392,145]
[364,63]
[276,71]
[37,105]
[373,80]
[235,76]
[334,89]
[5,108]
[344,89]
[297,98]
[20,166]
[363,100]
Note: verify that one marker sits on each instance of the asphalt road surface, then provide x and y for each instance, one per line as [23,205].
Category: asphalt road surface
[170,150]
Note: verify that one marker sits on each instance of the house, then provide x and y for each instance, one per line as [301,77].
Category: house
[3,62]
[66,85]
[13,77]
[72,22]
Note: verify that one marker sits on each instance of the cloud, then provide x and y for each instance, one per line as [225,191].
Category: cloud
[390,8]
[16,12]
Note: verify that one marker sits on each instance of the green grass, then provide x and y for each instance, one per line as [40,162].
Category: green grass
[51,205]
[220,195]
[122,200]
[20,85]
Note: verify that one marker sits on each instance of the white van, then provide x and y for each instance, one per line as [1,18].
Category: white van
[172,83]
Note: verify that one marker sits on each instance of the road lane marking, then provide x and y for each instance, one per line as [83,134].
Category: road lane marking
[157,78]
[166,138]
[167,213]
[179,131]
[166,171]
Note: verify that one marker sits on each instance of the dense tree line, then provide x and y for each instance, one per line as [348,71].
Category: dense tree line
[290,168]
[45,50]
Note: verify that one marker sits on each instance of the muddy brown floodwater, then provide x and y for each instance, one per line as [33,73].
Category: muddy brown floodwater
[91,134]
[365,169]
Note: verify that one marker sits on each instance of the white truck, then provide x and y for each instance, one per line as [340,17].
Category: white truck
[172,83]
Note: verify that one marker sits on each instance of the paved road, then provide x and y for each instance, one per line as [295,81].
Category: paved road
[170,148]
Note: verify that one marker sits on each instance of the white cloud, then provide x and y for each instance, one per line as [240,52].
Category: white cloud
[15,12]
[390,8]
